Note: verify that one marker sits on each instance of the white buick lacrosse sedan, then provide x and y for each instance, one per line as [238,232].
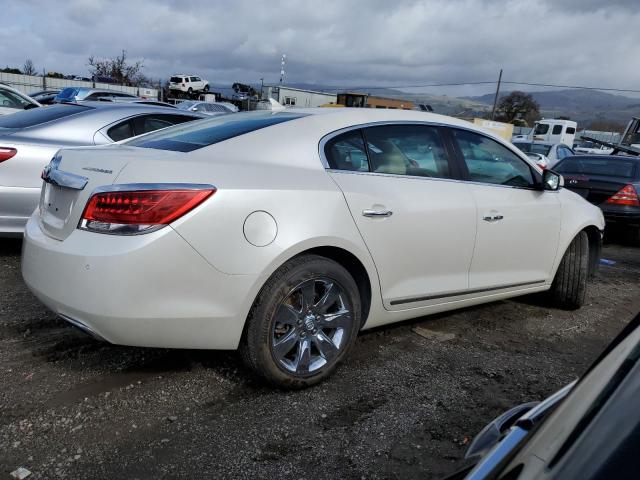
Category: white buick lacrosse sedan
[285,233]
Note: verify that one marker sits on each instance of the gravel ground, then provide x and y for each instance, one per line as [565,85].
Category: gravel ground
[402,406]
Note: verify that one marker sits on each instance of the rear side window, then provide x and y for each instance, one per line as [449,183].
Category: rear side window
[186,138]
[557,130]
[121,131]
[37,116]
[415,150]
[598,166]
[347,152]
[490,162]
[571,130]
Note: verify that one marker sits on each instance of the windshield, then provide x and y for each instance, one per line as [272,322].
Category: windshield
[67,93]
[541,128]
[12,100]
[533,147]
[616,167]
[185,138]
[37,116]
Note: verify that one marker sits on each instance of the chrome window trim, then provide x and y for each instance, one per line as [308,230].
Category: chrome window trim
[329,136]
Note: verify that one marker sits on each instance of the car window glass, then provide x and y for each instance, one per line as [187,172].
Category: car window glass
[121,131]
[541,129]
[11,100]
[407,150]
[490,162]
[37,116]
[201,107]
[571,130]
[347,152]
[557,130]
[150,123]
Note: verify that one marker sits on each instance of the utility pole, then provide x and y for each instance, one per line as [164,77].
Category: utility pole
[284,59]
[495,100]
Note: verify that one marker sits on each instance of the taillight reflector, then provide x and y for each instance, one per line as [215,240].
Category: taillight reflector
[139,211]
[626,196]
[6,153]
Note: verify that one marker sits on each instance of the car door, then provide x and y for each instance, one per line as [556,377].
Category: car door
[417,221]
[518,224]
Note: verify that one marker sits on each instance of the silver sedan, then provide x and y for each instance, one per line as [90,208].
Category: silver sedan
[29,139]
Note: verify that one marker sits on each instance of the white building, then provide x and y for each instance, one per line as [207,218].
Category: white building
[297,97]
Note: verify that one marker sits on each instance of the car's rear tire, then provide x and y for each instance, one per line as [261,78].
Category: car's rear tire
[569,286]
[190,92]
[303,323]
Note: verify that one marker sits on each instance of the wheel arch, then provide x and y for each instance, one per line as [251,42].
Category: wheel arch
[594,236]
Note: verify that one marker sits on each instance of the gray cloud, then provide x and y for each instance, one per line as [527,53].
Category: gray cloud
[343,43]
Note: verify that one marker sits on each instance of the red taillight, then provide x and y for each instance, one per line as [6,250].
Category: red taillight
[139,211]
[626,196]
[6,153]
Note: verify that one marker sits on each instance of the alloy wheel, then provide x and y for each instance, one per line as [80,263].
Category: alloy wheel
[311,326]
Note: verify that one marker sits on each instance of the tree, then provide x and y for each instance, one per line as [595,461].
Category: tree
[28,68]
[119,69]
[518,107]
[11,70]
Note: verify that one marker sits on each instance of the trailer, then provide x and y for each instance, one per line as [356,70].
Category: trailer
[629,142]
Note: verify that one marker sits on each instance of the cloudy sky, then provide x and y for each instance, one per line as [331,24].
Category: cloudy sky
[337,42]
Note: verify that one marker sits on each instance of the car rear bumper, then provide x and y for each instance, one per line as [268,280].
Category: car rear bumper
[149,290]
[622,216]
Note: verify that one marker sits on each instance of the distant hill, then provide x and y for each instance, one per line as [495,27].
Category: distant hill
[584,106]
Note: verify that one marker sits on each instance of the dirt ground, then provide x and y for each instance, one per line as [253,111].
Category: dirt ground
[402,406]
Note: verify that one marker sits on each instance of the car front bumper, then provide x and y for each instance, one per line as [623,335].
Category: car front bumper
[150,290]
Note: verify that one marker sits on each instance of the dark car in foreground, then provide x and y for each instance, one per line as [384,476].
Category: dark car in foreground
[611,182]
[589,430]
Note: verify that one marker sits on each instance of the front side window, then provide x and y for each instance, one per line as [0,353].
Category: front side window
[416,150]
[490,162]
[347,152]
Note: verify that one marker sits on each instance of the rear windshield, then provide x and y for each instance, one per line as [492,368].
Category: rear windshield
[534,148]
[615,167]
[185,138]
[176,79]
[37,116]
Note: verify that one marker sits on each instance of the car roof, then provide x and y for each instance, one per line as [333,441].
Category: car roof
[547,144]
[606,157]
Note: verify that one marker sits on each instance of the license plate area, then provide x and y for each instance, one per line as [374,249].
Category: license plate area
[56,205]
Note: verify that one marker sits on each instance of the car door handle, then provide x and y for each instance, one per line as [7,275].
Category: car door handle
[492,218]
[377,213]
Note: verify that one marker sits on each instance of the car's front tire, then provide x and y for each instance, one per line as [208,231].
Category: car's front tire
[303,323]
[569,286]
[206,89]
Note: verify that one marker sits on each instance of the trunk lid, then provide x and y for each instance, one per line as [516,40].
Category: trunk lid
[596,189]
[72,177]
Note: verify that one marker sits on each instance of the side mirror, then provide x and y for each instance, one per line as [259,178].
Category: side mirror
[551,180]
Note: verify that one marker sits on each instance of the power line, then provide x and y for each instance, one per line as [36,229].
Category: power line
[458,84]
[580,87]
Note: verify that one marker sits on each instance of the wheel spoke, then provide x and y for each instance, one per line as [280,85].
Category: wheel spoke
[330,296]
[325,346]
[303,358]
[283,345]
[340,319]
[308,292]
[287,315]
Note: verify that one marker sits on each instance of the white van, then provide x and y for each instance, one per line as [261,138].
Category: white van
[554,131]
